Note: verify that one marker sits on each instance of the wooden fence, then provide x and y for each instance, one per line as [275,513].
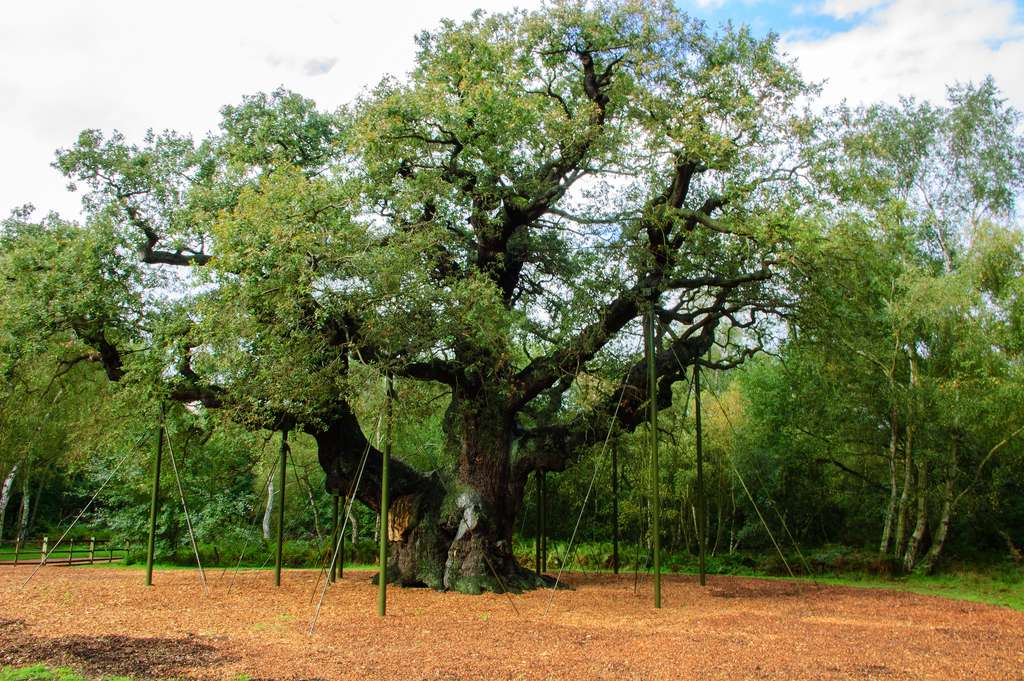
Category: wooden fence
[69,552]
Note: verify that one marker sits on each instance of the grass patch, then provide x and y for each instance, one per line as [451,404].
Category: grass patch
[995,583]
[964,586]
[41,672]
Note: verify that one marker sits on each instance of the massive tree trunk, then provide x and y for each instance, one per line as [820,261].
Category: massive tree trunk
[444,533]
[486,498]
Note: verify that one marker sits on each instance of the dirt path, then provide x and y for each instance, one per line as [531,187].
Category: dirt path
[106,621]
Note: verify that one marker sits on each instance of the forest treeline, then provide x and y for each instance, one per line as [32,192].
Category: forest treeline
[490,233]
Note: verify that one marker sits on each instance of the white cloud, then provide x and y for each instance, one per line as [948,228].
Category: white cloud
[844,9]
[709,4]
[917,47]
[66,65]
[319,67]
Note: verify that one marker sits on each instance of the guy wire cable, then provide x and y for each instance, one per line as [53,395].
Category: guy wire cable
[341,535]
[248,535]
[597,466]
[188,520]
[86,508]
[335,551]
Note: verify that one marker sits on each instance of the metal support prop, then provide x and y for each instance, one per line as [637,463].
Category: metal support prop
[345,504]
[615,508]
[331,576]
[539,525]
[280,509]
[154,501]
[543,522]
[655,492]
[702,527]
[382,579]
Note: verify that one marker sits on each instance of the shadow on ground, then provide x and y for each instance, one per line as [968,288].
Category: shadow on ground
[109,654]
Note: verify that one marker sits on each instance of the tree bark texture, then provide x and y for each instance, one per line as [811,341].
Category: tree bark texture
[910,558]
[903,509]
[890,510]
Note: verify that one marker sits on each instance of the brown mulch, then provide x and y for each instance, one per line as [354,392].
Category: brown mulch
[104,621]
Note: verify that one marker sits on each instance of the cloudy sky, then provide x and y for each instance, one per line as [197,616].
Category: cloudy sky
[131,65]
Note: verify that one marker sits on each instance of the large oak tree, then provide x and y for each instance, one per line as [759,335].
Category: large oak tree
[496,223]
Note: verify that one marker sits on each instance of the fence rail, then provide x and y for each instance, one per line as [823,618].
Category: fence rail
[70,552]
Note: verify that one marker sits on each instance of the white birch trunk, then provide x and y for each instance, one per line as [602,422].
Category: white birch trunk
[269,510]
[352,523]
[26,507]
[890,510]
[5,496]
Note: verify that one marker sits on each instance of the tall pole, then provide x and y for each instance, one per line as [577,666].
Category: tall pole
[655,492]
[382,592]
[615,508]
[702,529]
[154,501]
[280,509]
[539,524]
[543,522]
[341,538]
[334,536]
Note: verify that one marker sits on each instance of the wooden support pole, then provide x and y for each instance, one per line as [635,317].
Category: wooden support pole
[280,509]
[382,579]
[652,385]
[71,550]
[92,550]
[42,557]
[154,501]
[702,527]
[615,508]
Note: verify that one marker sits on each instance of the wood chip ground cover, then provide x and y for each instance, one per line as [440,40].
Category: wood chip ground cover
[104,621]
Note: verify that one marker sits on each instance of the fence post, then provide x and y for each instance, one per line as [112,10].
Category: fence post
[42,556]
[71,550]
[17,548]
[110,551]
[92,550]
